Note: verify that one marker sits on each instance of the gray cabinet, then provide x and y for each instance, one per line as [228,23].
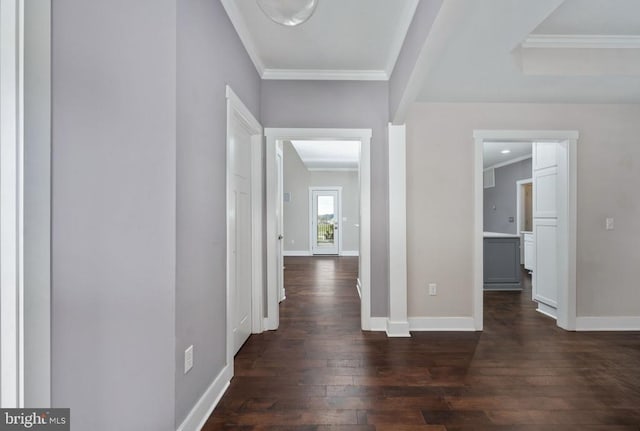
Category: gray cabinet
[502,263]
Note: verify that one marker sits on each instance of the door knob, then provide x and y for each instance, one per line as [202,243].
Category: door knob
[280,236]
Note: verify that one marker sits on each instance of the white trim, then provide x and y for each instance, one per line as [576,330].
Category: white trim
[236,18]
[397,329]
[199,414]
[359,288]
[273,135]
[296,253]
[525,135]
[11,204]
[398,325]
[608,323]
[567,140]
[403,24]
[238,111]
[478,237]
[378,324]
[349,253]
[442,324]
[509,162]
[312,237]
[325,75]
[547,310]
[582,41]
[332,169]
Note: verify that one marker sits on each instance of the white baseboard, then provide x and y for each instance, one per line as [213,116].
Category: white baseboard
[349,253]
[359,287]
[547,310]
[398,329]
[297,253]
[442,324]
[608,323]
[199,414]
[378,323]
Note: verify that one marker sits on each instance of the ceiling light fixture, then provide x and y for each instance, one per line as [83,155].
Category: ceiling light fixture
[505,151]
[288,12]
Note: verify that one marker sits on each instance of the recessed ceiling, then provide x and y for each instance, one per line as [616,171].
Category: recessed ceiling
[346,39]
[483,59]
[493,152]
[328,155]
[593,17]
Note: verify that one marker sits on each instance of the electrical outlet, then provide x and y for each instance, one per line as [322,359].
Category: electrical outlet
[433,289]
[188,359]
[608,224]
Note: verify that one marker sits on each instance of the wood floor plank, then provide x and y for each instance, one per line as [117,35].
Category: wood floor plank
[320,372]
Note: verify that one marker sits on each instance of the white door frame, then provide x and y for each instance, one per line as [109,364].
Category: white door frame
[568,215]
[238,111]
[519,212]
[273,135]
[338,215]
[11,203]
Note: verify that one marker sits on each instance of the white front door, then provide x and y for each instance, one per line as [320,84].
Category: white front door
[325,216]
[546,192]
[240,267]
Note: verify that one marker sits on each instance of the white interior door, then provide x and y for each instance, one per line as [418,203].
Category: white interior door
[280,221]
[545,226]
[240,264]
[325,214]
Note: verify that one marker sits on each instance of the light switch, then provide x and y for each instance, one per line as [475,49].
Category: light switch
[609,223]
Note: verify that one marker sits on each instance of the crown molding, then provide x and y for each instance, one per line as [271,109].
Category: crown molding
[326,75]
[577,41]
[243,32]
[398,41]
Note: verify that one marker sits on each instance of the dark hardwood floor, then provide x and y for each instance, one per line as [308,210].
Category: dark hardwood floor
[320,372]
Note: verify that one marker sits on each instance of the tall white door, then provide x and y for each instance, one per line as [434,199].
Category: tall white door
[325,228]
[545,226]
[240,265]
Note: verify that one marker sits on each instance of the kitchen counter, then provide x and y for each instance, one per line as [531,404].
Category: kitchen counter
[500,235]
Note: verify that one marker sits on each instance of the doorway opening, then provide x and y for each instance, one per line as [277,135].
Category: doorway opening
[318,205]
[502,243]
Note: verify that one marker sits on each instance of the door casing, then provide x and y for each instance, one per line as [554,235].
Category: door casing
[273,136]
[236,110]
[567,162]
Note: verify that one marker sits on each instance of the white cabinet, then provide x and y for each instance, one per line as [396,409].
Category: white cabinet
[529,251]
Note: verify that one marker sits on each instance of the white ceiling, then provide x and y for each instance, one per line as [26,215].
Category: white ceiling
[343,39]
[593,17]
[483,62]
[328,155]
[492,152]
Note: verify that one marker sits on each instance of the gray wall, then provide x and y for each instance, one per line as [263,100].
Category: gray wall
[419,30]
[440,189]
[114,212]
[504,197]
[210,55]
[344,104]
[297,180]
[37,202]
[295,213]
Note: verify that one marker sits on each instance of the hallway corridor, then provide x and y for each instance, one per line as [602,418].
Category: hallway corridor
[320,372]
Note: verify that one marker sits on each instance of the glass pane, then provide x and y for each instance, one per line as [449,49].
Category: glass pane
[326,220]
